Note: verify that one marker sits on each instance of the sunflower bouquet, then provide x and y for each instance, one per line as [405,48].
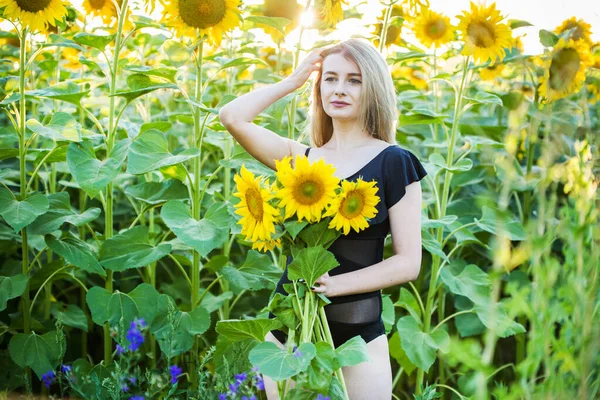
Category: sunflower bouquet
[303,212]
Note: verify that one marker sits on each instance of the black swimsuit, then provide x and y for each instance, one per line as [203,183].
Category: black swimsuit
[360,314]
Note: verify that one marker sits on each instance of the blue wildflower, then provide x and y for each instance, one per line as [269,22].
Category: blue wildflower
[124,387]
[175,371]
[260,384]
[321,397]
[66,369]
[137,398]
[297,353]
[255,368]
[132,379]
[241,377]
[48,378]
[120,349]
[135,337]
[234,387]
[138,323]
[223,396]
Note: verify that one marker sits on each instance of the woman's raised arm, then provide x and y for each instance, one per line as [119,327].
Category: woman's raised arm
[237,116]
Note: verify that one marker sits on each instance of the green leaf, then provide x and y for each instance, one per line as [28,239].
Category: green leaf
[278,23]
[11,287]
[471,282]
[176,52]
[158,192]
[465,164]
[141,84]
[517,23]
[388,313]
[76,252]
[438,223]
[201,235]
[420,347]
[501,324]
[150,151]
[62,127]
[40,352]
[258,272]
[547,38]
[65,91]
[60,212]
[352,352]
[91,174]
[485,98]
[19,214]
[167,73]
[310,263]
[236,62]
[131,249]
[235,330]
[96,41]
[142,302]
[175,330]
[277,363]
[396,351]
[70,315]
[492,221]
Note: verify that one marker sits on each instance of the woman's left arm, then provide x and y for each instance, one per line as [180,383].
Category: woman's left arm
[403,266]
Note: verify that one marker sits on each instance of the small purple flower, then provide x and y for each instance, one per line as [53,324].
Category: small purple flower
[135,337]
[132,379]
[137,398]
[223,396]
[120,349]
[66,369]
[297,352]
[175,371]
[124,387]
[241,377]
[138,323]
[260,384]
[321,397]
[48,378]
[234,387]
[255,368]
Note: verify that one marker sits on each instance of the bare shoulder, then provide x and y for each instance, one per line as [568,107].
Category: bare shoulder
[297,148]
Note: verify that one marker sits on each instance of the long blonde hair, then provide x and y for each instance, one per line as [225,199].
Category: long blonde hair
[378,113]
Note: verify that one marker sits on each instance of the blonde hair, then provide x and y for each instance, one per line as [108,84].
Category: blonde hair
[378,113]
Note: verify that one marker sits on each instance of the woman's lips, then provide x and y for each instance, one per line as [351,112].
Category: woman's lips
[339,104]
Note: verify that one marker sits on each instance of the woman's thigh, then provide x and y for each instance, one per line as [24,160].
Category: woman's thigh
[371,380]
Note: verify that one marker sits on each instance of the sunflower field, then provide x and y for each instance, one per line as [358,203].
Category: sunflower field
[140,243]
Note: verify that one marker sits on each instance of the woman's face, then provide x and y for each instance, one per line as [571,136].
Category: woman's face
[341,86]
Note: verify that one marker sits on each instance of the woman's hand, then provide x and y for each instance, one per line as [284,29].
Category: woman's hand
[312,62]
[326,285]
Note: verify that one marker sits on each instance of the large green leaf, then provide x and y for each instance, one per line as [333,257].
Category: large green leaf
[62,127]
[258,272]
[158,192]
[70,315]
[201,235]
[96,41]
[175,330]
[141,302]
[277,363]
[310,263]
[65,91]
[419,346]
[60,212]
[399,354]
[11,287]
[278,23]
[91,174]
[141,84]
[176,52]
[492,221]
[131,249]
[352,352]
[76,252]
[235,329]
[150,151]
[408,301]
[500,323]
[40,352]
[470,282]
[19,214]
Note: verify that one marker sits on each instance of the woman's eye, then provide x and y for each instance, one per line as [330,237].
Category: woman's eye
[354,81]
[328,79]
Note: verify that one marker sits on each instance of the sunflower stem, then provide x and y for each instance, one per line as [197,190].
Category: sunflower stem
[108,221]
[386,21]
[338,372]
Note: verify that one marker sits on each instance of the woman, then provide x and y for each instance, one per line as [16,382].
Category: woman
[353,123]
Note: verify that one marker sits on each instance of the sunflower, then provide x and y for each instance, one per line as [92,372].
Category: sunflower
[594,90]
[484,34]
[101,8]
[492,72]
[258,216]
[266,245]
[306,189]
[330,11]
[432,29]
[196,18]
[565,69]
[289,9]
[416,6]
[393,33]
[35,14]
[416,77]
[581,30]
[353,205]
[71,57]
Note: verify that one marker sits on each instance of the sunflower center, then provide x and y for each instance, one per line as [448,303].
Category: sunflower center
[308,193]
[353,205]
[97,4]
[436,28]
[33,5]
[564,67]
[481,33]
[254,201]
[202,14]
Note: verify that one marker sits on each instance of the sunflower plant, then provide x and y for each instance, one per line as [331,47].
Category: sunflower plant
[303,213]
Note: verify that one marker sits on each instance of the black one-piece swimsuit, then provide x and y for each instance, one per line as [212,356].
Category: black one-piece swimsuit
[360,314]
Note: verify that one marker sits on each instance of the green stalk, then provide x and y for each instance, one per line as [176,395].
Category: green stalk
[108,212]
[444,200]
[23,173]
[325,325]
[384,28]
